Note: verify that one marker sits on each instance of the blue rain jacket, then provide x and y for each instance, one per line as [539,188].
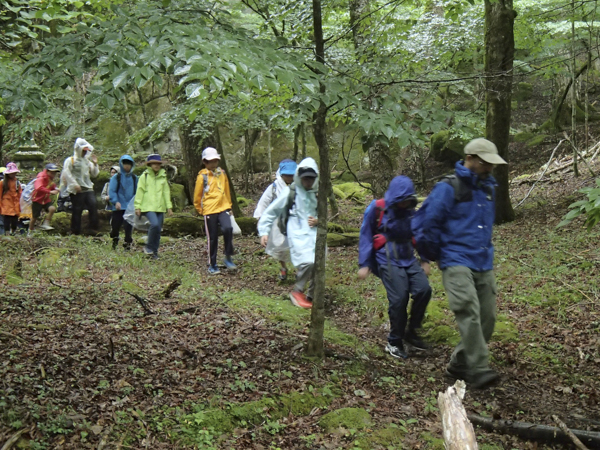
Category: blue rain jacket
[127,188]
[395,226]
[464,230]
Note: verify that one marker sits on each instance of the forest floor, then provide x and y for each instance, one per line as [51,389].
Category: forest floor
[219,363]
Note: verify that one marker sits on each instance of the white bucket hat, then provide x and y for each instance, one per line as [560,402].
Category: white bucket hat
[210,153]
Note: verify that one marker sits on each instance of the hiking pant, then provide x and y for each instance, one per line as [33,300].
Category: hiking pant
[211,224]
[116,221]
[81,201]
[305,273]
[10,224]
[472,299]
[156,222]
[399,282]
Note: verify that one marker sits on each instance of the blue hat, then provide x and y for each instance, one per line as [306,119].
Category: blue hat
[52,168]
[155,158]
[287,167]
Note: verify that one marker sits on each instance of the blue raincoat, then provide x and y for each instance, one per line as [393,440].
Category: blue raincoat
[127,189]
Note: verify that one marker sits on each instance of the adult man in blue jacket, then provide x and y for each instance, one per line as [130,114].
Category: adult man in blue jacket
[385,249]
[463,229]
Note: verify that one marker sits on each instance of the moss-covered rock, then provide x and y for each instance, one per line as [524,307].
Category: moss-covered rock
[338,193]
[353,190]
[183,225]
[247,225]
[99,182]
[348,418]
[523,136]
[335,228]
[342,239]
[243,201]
[178,197]
[536,140]
[62,222]
[445,148]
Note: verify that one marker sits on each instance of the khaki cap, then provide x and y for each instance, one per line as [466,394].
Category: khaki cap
[485,149]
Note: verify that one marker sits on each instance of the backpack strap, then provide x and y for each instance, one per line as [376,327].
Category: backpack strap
[118,181]
[380,211]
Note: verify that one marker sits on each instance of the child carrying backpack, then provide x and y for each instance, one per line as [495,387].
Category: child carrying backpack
[385,248]
[295,212]
[104,195]
[277,246]
[213,201]
[121,189]
[43,187]
[10,190]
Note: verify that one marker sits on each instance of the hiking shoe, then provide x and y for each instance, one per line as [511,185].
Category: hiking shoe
[283,274]
[115,243]
[46,227]
[484,380]
[396,351]
[30,234]
[299,299]
[147,251]
[456,373]
[214,270]
[154,256]
[229,264]
[414,340]
[127,246]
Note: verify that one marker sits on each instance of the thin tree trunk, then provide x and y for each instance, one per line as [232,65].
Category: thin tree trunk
[317,317]
[296,142]
[143,107]
[573,93]
[1,142]
[269,149]
[500,49]
[192,155]
[235,207]
[250,138]
[303,140]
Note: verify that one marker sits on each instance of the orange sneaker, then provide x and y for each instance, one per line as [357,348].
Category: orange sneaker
[299,299]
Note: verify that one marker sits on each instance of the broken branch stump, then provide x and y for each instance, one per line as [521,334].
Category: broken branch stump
[458,431]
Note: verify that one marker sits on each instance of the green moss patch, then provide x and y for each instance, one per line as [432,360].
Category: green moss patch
[178,197]
[348,418]
[384,438]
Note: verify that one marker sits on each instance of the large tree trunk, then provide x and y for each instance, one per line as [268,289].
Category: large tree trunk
[191,150]
[235,206]
[500,49]
[317,317]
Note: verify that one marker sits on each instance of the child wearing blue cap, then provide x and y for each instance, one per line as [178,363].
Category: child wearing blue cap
[277,246]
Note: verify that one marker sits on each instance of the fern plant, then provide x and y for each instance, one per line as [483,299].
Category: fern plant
[590,207]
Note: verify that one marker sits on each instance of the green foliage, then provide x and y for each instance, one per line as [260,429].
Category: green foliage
[590,207]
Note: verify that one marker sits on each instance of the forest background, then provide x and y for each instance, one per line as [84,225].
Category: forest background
[370,89]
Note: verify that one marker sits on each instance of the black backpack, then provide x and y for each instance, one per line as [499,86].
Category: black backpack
[285,216]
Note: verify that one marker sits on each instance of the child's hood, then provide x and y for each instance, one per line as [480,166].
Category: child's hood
[311,164]
[128,159]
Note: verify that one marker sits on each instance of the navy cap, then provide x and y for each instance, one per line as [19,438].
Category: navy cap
[52,168]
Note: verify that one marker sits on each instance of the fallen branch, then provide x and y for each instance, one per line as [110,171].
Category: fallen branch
[14,438]
[12,336]
[142,301]
[568,432]
[534,432]
[458,431]
[171,288]
[542,175]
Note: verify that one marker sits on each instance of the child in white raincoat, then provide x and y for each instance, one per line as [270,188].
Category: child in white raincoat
[301,227]
[277,246]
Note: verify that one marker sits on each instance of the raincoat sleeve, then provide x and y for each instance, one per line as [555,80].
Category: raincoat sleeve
[139,193]
[275,209]
[112,191]
[264,202]
[365,240]
[167,195]
[67,173]
[441,201]
[40,187]
[198,191]
[94,169]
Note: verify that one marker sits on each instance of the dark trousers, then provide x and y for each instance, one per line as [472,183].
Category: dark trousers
[211,223]
[399,282]
[81,201]
[10,223]
[116,221]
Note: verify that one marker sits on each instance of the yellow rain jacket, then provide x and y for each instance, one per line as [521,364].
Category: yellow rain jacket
[214,197]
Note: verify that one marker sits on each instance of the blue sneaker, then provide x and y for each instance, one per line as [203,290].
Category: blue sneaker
[229,264]
[213,270]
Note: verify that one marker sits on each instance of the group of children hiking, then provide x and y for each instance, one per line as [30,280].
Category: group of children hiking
[452,227]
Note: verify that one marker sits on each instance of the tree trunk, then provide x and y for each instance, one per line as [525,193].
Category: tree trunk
[303,140]
[235,206]
[250,138]
[317,317]
[191,149]
[500,49]
[458,431]
[143,107]
[296,142]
